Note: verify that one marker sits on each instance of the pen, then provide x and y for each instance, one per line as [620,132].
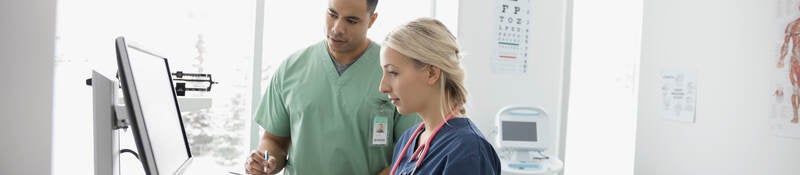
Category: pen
[266,158]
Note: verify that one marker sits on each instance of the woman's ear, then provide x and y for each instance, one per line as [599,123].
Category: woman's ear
[434,74]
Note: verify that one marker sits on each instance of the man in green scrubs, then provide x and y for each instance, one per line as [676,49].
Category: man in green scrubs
[322,112]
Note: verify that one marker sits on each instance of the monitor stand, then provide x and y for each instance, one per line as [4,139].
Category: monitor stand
[108,119]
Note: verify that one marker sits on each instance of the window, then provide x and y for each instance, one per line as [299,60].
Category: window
[197,36]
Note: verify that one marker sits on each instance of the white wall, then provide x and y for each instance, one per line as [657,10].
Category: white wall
[732,46]
[27,29]
[543,84]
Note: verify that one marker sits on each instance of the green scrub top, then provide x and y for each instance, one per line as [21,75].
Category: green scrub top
[330,117]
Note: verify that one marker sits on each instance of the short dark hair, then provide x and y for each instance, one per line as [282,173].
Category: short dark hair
[371,5]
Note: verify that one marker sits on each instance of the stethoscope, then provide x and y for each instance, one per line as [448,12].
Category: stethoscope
[422,150]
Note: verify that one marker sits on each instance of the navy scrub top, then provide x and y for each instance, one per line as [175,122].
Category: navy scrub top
[459,148]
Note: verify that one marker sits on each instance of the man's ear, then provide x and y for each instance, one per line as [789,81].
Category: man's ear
[434,74]
[372,19]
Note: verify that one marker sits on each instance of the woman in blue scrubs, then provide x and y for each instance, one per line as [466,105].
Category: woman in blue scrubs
[422,74]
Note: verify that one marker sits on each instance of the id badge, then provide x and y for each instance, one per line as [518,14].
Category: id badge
[380,128]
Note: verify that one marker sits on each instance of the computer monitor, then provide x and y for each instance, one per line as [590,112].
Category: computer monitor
[522,128]
[153,109]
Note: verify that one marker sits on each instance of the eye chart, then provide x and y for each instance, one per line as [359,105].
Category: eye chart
[513,34]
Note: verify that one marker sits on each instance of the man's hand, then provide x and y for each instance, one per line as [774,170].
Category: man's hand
[256,164]
[277,147]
